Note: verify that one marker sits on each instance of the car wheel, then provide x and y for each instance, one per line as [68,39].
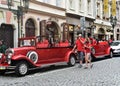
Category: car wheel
[32,55]
[72,60]
[93,50]
[2,72]
[111,54]
[21,69]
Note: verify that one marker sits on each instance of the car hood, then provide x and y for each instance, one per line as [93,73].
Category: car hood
[115,47]
[22,50]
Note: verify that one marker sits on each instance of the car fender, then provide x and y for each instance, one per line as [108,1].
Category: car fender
[68,55]
[108,50]
[22,57]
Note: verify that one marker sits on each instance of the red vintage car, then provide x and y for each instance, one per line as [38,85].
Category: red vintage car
[101,49]
[33,53]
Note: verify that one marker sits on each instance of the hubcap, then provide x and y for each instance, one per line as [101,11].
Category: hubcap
[93,51]
[111,54]
[72,60]
[23,69]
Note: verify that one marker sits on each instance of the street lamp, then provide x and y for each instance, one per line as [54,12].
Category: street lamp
[21,9]
[113,21]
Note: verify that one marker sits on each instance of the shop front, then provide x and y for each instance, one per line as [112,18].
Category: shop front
[103,32]
[76,27]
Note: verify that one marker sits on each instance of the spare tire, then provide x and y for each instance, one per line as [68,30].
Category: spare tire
[33,56]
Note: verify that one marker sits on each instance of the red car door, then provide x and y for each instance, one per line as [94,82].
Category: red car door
[99,49]
[52,55]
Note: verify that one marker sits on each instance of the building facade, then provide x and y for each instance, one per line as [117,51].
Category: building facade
[103,27]
[80,17]
[49,19]
[62,19]
[117,27]
[42,14]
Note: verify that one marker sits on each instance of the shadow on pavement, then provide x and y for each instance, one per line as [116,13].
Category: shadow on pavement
[37,70]
[48,68]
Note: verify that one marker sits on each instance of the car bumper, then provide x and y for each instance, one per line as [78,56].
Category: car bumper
[6,67]
[116,53]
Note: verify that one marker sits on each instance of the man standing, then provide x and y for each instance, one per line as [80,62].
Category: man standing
[80,49]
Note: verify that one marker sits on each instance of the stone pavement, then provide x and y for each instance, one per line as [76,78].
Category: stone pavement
[104,73]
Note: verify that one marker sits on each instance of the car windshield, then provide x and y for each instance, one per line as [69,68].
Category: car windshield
[115,43]
[27,42]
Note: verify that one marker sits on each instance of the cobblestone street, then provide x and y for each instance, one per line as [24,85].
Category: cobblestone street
[104,73]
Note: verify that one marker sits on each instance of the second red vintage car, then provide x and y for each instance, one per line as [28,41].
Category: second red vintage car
[34,52]
[101,49]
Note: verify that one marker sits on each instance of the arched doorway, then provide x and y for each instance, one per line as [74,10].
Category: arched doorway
[52,30]
[30,28]
[101,34]
[7,34]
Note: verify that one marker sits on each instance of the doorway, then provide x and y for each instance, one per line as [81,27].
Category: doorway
[7,34]
[30,28]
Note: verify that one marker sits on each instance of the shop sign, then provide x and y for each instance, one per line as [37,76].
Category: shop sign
[70,28]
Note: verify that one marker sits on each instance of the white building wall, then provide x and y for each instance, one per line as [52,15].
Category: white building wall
[84,9]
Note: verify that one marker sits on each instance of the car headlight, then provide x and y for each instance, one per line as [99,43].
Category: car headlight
[10,55]
[8,51]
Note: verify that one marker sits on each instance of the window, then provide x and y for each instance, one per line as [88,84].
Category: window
[117,13]
[71,4]
[1,14]
[80,5]
[103,12]
[98,9]
[117,30]
[89,6]
[42,27]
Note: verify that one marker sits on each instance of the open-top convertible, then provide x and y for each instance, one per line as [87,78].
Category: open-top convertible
[33,53]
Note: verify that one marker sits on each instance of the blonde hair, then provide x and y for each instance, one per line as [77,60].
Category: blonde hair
[87,40]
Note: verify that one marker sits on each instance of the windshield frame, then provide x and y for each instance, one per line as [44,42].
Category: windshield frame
[27,42]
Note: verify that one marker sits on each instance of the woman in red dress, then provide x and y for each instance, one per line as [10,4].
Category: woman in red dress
[87,51]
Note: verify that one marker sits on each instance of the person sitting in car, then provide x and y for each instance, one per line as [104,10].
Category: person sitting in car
[2,47]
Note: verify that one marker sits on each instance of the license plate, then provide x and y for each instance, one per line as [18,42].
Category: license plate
[2,68]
